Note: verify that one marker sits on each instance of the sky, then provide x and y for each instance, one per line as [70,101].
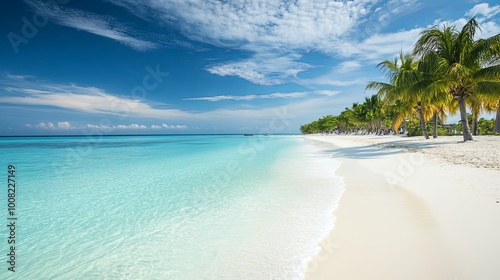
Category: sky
[202,66]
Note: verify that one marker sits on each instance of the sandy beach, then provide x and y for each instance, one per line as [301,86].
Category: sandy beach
[413,209]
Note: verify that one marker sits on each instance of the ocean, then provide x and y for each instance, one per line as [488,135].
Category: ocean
[165,207]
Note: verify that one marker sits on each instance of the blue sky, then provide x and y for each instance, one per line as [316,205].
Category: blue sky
[189,66]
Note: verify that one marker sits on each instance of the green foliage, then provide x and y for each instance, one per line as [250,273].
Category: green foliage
[448,70]
[327,123]
[367,116]
[413,128]
[468,69]
[485,127]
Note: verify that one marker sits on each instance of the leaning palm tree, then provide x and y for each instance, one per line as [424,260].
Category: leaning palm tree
[403,76]
[404,111]
[467,67]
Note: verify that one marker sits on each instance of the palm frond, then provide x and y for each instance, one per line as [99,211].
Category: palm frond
[491,73]
[488,88]
[400,118]
[487,51]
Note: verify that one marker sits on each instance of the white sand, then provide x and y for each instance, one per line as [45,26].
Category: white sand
[424,210]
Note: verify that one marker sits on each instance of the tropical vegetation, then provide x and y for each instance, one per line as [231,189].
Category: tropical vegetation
[448,72]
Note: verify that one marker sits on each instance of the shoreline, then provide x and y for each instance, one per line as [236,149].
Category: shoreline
[407,214]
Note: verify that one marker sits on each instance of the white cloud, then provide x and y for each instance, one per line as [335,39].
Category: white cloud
[131,126]
[264,96]
[392,10]
[63,125]
[292,112]
[276,33]
[134,126]
[26,90]
[95,101]
[284,118]
[262,69]
[104,26]
[378,47]
[173,126]
[488,27]
[257,22]
[51,125]
[327,92]
[484,9]
[250,97]
[348,66]
[18,77]
[84,99]
[332,79]
[102,127]
[386,45]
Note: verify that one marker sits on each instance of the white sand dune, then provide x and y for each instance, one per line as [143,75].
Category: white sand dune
[413,209]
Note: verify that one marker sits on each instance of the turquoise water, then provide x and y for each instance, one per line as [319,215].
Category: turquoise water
[166,207]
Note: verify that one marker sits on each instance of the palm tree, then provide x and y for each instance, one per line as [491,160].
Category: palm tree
[436,103]
[439,110]
[497,120]
[478,105]
[375,115]
[369,114]
[327,123]
[346,121]
[467,67]
[403,76]
[404,112]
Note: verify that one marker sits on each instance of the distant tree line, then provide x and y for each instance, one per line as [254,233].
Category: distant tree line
[353,121]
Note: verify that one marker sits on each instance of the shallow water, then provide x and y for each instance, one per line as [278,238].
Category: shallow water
[167,207]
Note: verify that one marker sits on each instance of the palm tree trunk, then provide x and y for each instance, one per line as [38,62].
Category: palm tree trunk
[474,123]
[435,126]
[497,120]
[422,122]
[465,123]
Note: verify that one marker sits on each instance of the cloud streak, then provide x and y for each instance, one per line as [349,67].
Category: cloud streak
[50,125]
[112,110]
[276,95]
[104,26]
[262,69]
[249,97]
[67,126]
[91,100]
